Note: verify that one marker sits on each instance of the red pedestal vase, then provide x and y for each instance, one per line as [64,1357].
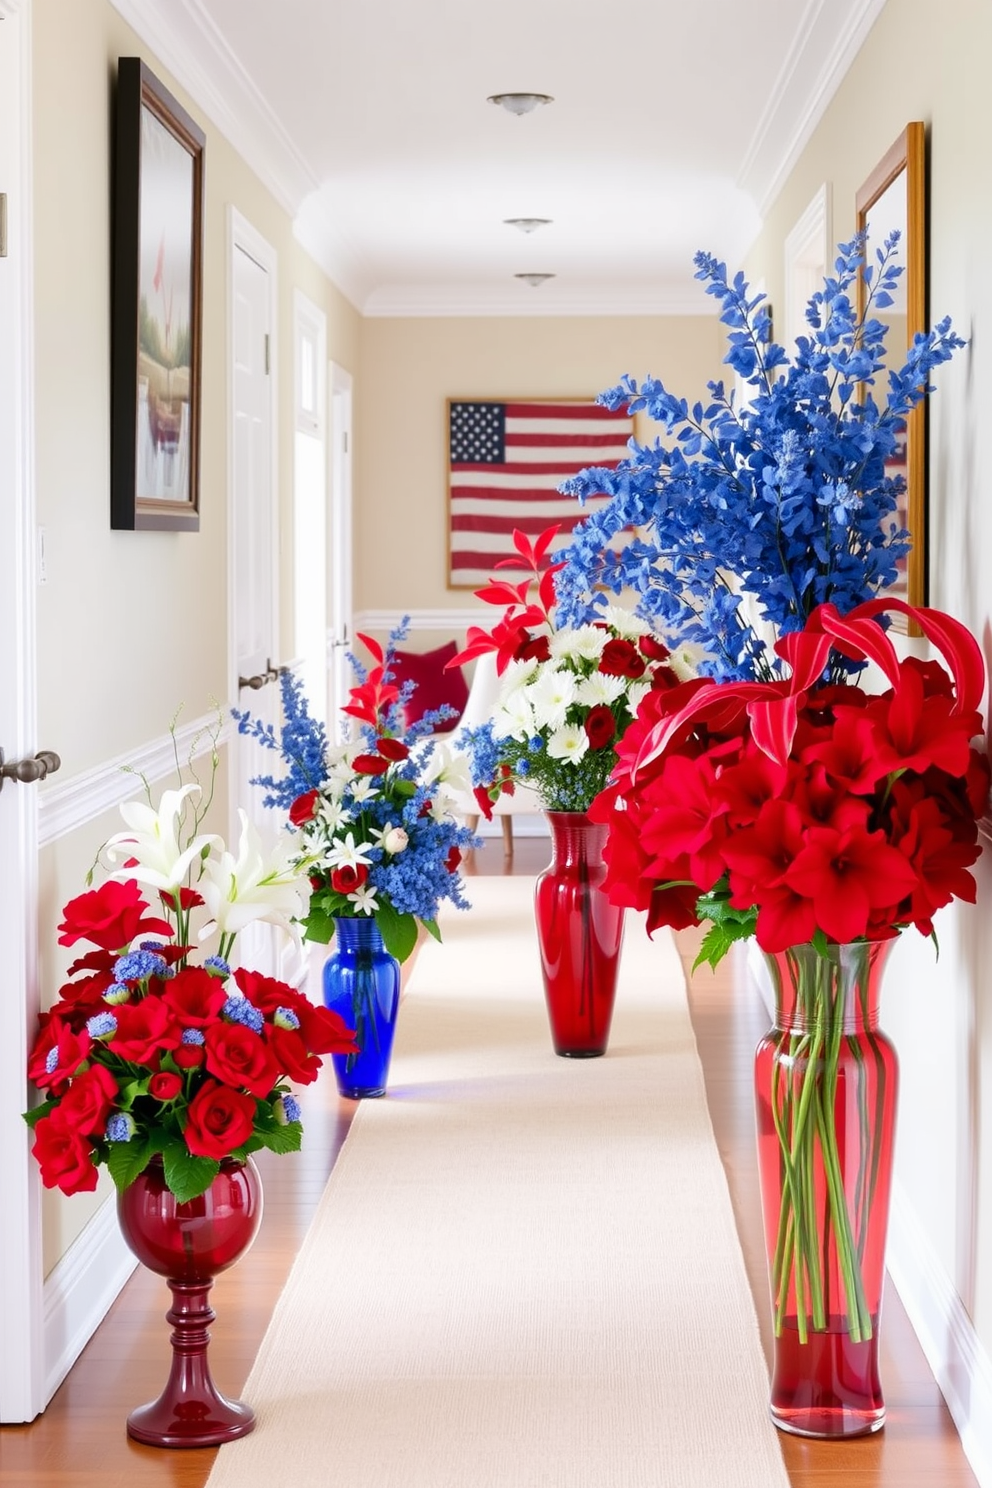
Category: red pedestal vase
[579,933]
[825,1089]
[190,1244]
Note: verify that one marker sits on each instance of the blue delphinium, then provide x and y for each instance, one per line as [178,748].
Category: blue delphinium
[784,498]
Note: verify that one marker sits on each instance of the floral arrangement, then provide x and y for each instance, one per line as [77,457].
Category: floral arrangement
[373,821]
[823,820]
[567,694]
[799,812]
[782,501]
[151,1052]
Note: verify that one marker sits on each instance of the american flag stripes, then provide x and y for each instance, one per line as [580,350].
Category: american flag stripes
[505,463]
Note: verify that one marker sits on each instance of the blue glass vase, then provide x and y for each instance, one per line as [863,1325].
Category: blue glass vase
[362,985]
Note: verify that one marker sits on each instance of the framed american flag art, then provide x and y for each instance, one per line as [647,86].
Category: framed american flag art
[506,460]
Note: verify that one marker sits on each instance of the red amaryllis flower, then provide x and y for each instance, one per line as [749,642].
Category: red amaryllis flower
[88,1101]
[621,659]
[143,1029]
[600,726]
[57,1055]
[348,878]
[239,1057]
[220,1120]
[304,808]
[110,916]
[194,996]
[847,874]
[392,749]
[64,1155]
[165,1086]
[370,764]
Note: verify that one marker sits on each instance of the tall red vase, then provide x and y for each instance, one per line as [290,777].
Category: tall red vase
[190,1244]
[825,1088]
[579,933]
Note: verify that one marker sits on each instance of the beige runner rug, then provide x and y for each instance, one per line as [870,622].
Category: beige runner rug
[524,1272]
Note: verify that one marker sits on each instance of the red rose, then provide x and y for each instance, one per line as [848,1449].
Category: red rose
[266,993]
[64,1155]
[188,1056]
[165,1086]
[71,1049]
[304,808]
[620,659]
[219,1121]
[194,996]
[346,879]
[653,649]
[110,916]
[188,898]
[600,726]
[143,1029]
[392,749]
[323,1031]
[536,648]
[292,1056]
[90,988]
[88,1101]
[240,1058]
[369,764]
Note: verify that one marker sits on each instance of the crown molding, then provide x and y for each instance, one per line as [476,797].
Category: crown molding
[831,35]
[549,300]
[184,38]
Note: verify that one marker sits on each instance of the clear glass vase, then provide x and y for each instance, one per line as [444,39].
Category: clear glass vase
[825,1090]
[579,933]
[362,985]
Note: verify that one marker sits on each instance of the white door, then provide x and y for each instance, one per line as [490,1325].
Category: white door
[21,1361]
[310,503]
[254,536]
[339,565]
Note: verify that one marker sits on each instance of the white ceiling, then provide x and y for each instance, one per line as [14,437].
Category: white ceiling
[673,126]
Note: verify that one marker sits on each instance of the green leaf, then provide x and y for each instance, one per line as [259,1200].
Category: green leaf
[718,940]
[432,928]
[398,931]
[128,1159]
[186,1175]
[288,1138]
[404,787]
[318,926]
[33,1116]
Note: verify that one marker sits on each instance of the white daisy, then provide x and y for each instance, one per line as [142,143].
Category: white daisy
[638,691]
[600,688]
[683,663]
[568,743]
[514,718]
[584,643]
[625,622]
[551,696]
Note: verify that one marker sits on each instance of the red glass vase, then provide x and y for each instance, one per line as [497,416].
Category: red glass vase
[579,933]
[825,1088]
[189,1244]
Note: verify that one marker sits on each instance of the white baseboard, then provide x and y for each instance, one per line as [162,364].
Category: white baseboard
[953,1350]
[80,1290]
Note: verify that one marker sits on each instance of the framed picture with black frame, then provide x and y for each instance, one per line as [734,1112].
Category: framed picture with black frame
[157,307]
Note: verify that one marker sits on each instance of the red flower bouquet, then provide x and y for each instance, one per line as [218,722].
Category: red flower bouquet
[148,1054]
[801,812]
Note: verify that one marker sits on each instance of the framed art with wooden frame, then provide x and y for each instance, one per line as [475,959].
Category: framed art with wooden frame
[895,196]
[157,307]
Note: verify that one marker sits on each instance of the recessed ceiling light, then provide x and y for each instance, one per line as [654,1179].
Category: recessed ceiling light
[519,103]
[534,280]
[527,224]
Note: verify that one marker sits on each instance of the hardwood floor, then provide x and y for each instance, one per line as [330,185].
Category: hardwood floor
[80,1441]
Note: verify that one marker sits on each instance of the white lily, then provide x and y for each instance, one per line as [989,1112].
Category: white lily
[152,846]
[364,899]
[240,890]
[347,854]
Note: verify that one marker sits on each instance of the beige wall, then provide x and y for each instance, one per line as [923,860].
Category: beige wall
[130,624]
[409,368]
[930,62]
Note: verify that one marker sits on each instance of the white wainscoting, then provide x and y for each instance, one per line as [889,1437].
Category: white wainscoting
[81,1287]
[455,622]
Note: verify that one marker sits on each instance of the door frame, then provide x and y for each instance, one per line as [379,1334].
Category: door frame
[340,561]
[242,237]
[22,1369]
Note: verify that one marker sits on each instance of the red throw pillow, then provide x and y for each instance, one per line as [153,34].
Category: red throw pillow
[434,685]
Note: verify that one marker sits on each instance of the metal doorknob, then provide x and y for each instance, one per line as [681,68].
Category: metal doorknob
[44,763]
[271,674]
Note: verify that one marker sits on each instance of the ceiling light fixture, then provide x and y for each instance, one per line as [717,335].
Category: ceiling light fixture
[534,280]
[519,103]
[527,224]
